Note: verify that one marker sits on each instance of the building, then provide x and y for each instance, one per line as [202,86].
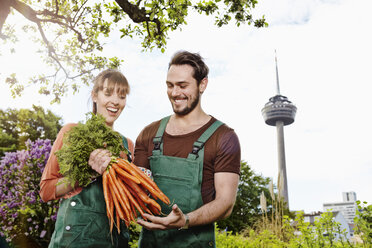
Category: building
[349,196]
[348,206]
[337,217]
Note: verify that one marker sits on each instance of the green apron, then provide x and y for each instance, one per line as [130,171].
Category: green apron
[180,179]
[82,220]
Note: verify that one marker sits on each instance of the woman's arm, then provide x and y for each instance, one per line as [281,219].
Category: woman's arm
[50,186]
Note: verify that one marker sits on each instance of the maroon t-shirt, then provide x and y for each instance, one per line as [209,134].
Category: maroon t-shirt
[221,151]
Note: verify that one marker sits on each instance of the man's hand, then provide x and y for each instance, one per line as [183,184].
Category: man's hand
[176,219]
[99,160]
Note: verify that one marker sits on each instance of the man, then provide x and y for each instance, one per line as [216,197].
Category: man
[194,159]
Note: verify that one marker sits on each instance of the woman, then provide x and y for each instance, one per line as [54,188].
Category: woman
[82,219]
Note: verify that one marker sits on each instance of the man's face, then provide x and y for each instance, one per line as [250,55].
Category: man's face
[182,89]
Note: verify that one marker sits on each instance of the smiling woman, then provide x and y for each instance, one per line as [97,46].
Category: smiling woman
[82,212]
[109,95]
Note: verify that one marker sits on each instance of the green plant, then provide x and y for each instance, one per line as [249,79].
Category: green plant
[363,223]
[134,232]
[246,210]
[24,218]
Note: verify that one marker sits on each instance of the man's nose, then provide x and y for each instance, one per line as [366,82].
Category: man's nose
[175,91]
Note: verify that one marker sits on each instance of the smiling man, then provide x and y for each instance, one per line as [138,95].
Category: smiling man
[194,159]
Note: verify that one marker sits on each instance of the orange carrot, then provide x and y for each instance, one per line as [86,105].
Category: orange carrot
[105,192]
[134,170]
[140,172]
[155,193]
[133,209]
[111,212]
[145,180]
[130,196]
[139,192]
[118,222]
[114,195]
[140,202]
[153,209]
[122,196]
[155,204]
[125,174]
[108,199]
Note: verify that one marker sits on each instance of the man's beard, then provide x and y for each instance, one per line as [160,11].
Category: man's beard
[188,109]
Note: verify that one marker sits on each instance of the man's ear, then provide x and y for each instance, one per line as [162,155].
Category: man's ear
[203,85]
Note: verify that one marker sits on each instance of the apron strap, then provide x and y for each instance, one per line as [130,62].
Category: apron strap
[126,146]
[157,140]
[199,144]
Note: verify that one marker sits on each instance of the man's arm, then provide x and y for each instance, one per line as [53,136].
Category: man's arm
[226,185]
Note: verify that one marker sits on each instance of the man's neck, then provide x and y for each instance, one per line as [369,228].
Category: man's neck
[184,124]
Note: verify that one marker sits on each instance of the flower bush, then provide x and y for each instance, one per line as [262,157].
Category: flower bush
[24,218]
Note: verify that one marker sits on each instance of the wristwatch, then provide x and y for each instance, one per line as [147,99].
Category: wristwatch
[186,226]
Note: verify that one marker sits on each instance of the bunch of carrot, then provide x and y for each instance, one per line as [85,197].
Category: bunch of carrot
[126,189]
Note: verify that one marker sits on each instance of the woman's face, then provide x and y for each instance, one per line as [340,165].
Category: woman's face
[110,103]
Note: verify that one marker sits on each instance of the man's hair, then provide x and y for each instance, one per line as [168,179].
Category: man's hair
[201,70]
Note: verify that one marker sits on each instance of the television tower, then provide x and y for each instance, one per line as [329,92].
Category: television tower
[279,112]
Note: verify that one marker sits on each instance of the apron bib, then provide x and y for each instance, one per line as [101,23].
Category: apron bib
[180,179]
[82,220]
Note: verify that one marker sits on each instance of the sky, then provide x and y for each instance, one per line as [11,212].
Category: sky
[324,60]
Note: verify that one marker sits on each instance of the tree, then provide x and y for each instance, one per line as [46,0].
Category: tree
[247,206]
[363,221]
[71,33]
[17,126]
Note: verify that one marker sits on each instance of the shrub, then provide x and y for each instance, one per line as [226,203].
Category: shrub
[24,218]
[363,223]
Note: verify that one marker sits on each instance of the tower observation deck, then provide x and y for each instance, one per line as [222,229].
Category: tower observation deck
[279,108]
[279,112]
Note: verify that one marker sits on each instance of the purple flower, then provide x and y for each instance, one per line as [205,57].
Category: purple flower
[42,234]
[54,217]
[20,174]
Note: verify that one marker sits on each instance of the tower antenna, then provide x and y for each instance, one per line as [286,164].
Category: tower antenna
[277,75]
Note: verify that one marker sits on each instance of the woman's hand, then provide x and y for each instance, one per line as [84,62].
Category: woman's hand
[99,160]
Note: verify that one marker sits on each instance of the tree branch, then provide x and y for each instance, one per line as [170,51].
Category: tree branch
[138,15]
[4,12]
[80,37]
[31,15]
